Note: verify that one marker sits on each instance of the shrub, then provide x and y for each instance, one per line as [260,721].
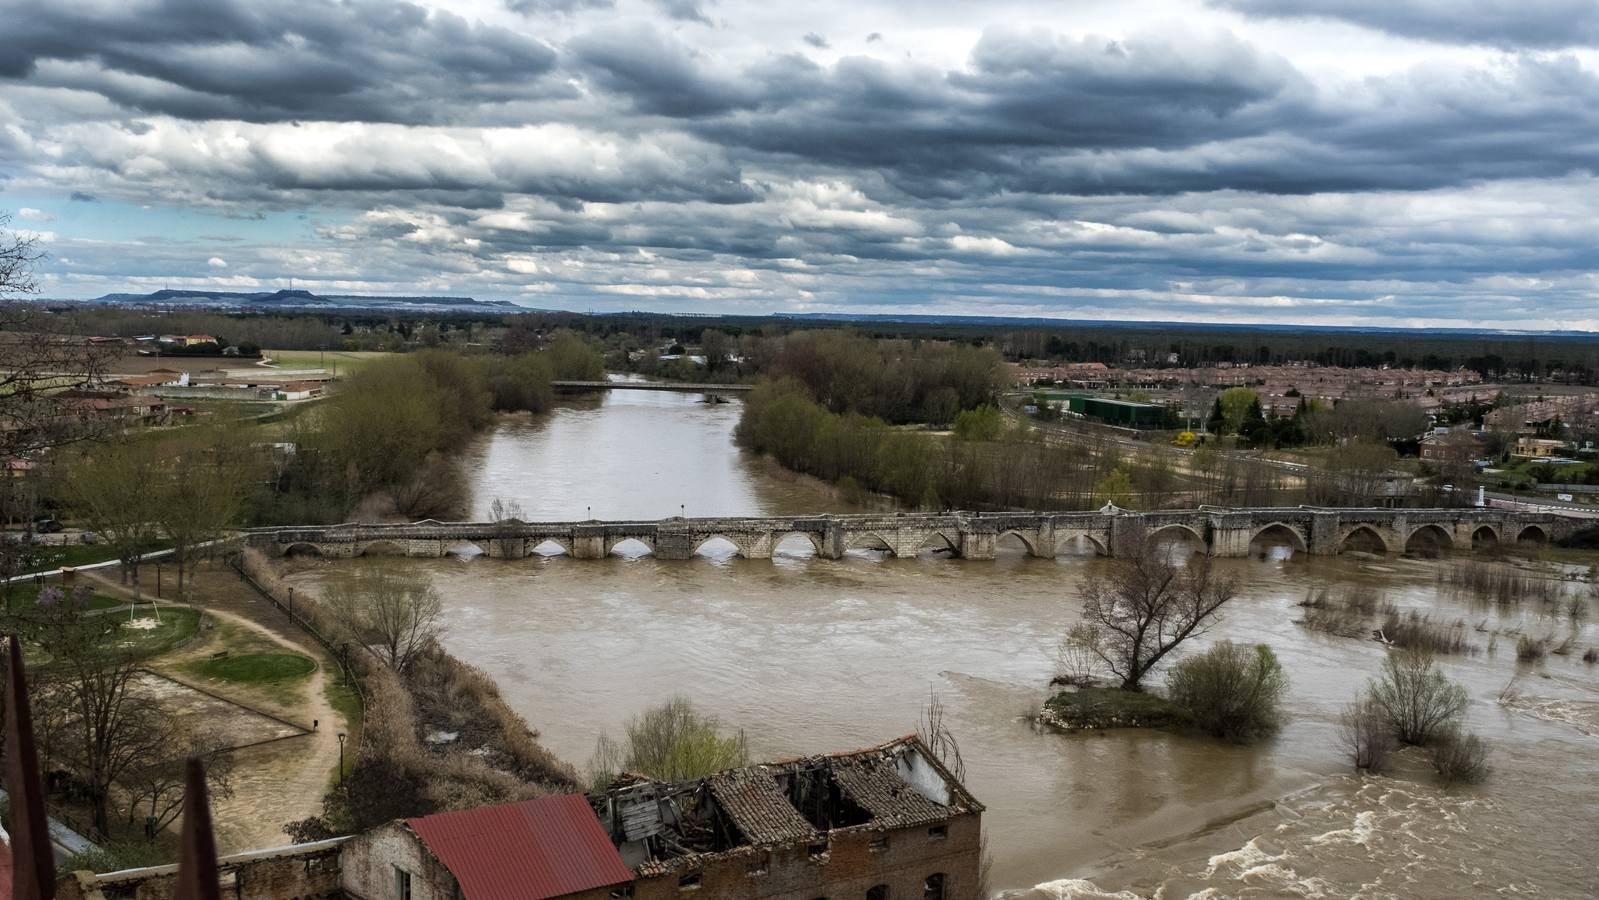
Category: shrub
[1231,690]
[1364,731]
[670,742]
[1531,649]
[1592,656]
[1420,702]
[1460,759]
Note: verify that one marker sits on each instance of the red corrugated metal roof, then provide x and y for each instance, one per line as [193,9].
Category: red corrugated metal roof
[532,850]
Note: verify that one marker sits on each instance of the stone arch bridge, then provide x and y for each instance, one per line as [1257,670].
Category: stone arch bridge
[1108,532]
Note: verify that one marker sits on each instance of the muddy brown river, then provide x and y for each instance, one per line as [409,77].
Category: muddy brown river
[810,655]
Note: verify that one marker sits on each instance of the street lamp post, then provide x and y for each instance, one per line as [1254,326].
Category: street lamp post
[341,757]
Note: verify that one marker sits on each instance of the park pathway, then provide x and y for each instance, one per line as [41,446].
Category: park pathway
[279,782]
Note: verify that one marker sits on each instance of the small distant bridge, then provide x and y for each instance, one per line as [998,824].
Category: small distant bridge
[1220,531]
[687,386]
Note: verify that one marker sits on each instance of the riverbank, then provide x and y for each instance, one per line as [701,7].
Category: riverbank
[440,734]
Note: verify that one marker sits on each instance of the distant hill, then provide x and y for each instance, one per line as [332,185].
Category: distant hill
[302,299]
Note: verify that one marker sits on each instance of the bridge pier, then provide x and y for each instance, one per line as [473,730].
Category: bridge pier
[978,542]
[588,542]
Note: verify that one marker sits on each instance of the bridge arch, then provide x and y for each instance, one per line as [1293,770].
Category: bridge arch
[1028,541]
[1281,531]
[869,540]
[1071,544]
[302,548]
[613,544]
[701,540]
[1176,529]
[1484,537]
[939,540]
[544,547]
[381,548]
[1533,534]
[811,537]
[1429,540]
[1363,538]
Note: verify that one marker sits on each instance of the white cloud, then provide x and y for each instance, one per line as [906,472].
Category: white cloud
[217,262]
[30,214]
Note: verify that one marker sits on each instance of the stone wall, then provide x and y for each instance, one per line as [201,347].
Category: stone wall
[299,872]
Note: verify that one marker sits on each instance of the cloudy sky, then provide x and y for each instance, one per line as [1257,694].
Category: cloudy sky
[1412,162]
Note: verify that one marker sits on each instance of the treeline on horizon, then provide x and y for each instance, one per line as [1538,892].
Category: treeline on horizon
[1571,358]
[846,409]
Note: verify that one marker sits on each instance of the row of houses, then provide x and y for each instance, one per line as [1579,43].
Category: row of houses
[889,822]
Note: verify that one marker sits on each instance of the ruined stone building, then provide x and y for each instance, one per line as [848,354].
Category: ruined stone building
[885,823]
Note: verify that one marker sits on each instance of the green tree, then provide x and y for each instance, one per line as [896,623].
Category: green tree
[1235,405]
[985,423]
[1231,690]
[1115,488]
[670,742]
[1216,422]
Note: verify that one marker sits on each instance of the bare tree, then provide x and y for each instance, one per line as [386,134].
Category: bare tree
[203,491]
[936,735]
[1145,606]
[399,614]
[40,360]
[94,719]
[117,489]
[1421,704]
[507,515]
[156,789]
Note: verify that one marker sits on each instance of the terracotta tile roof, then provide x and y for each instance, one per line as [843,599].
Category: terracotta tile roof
[532,850]
[874,783]
[760,809]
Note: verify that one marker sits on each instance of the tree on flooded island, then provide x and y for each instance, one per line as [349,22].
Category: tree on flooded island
[1144,606]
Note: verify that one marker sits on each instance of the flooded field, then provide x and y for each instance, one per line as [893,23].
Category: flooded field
[811,655]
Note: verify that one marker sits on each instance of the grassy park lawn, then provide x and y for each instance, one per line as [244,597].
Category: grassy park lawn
[27,594]
[342,362]
[253,668]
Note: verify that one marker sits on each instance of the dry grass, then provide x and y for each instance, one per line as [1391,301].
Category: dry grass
[1500,584]
[1415,631]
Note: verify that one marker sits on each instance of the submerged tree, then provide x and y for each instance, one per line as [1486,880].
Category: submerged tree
[1147,605]
[1233,691]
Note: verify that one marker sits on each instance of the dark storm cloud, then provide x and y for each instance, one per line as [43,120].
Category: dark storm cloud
[816,40]
[540,7]
[369,60]
[81,197]
[686,10]
[1549,24]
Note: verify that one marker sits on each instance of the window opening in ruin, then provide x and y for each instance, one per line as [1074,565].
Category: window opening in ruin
[878,844]
[689,882]
[877,892]
[402,884]
[938,832]
[933,889]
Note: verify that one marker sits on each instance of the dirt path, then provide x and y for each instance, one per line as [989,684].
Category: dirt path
[279,782]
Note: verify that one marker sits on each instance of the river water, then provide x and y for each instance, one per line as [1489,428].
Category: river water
[810,655]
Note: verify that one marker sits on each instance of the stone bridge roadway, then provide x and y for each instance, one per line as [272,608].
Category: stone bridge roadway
[1108,532]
